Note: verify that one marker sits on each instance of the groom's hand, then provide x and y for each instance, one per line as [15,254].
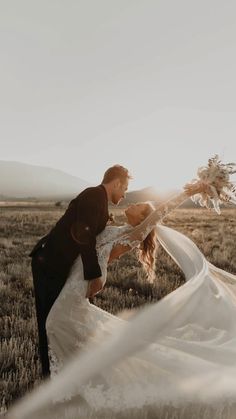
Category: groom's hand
[94,286]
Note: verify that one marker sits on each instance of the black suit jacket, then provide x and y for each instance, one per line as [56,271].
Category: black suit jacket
[75,233]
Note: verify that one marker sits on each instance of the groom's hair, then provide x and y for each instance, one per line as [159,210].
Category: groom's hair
[115,172]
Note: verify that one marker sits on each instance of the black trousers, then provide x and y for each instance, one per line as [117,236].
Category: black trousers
[47,287]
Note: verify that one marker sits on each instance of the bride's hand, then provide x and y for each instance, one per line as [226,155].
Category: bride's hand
[199,187]
[94,286]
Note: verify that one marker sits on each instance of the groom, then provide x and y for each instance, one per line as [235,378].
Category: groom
[74,233]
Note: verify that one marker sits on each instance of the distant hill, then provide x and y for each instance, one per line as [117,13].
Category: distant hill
[24,181]
[20,180]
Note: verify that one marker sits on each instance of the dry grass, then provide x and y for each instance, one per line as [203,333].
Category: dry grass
[126,287]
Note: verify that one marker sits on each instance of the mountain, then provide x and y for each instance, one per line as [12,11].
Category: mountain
[25,181]
[20,180]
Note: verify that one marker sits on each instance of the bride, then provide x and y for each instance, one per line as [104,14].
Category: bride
[72,319]
[174,358]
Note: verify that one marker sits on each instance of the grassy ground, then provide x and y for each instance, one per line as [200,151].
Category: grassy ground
[20,228]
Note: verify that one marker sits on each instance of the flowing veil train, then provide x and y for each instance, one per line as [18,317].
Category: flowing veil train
[174,357]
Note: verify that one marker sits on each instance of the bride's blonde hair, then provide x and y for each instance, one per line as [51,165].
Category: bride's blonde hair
[147,249]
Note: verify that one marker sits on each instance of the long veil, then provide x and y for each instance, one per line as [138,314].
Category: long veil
[173,358]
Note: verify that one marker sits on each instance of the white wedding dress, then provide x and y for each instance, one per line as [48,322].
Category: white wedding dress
[172,359]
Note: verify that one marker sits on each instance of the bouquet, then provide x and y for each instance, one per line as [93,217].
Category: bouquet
[213,185]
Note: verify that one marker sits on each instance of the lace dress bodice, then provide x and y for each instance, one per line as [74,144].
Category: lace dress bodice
[109,237]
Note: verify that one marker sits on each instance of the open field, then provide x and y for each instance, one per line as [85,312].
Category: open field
[20,228]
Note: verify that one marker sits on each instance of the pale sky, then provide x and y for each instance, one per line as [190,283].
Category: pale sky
[144,83]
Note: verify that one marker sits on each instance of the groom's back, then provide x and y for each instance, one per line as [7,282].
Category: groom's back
[59,248]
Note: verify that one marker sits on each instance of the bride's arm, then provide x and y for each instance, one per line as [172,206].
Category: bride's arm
[134,237]
[118,251]
[141,231]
